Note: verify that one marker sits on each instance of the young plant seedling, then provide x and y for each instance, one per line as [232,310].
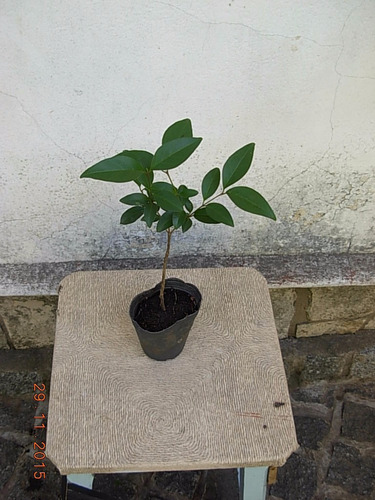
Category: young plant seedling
[169,206]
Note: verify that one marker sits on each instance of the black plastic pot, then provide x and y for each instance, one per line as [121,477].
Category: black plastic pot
[168,343]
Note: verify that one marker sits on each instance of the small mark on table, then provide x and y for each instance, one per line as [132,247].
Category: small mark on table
[277,404]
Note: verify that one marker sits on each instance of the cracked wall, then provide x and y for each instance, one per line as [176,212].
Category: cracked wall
[83,81]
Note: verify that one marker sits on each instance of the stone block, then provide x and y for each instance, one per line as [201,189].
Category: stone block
[15,383]
[353,469]
[338,310]
[293,367]
[117,485]
[329,357]
[9,454]
[365,390]
[337,493]
[17,413]
[24,486]
[321,367]
[329,303]
[363,365]
[220,485]
[370,325]
[180,483]
[358,421]
[297,479]
[283,304]
[311,431]
[37,360]
[3,340]
[80,495]
[336,326]
[30,321]
[320,393]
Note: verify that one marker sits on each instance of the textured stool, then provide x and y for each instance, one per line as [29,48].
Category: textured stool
[222,403]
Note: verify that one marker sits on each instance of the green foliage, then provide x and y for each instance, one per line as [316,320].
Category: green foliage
[142,157]
[116,169]
[135,199]
[249,200]
[131,215]
[173,153]
[201,215]
[166,196]
[237,165]
[165,222]
[219,213]
[168,206]
[210,183]
[179,129]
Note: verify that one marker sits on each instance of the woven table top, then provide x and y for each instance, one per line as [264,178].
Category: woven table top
[223,402]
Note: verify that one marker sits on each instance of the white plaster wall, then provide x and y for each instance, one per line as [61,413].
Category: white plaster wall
[85,79]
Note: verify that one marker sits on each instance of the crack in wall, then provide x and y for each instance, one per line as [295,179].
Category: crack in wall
[8,221]
[288,181]
[129,121]
[27,113]
[340,76]
[247,26]
[55,144]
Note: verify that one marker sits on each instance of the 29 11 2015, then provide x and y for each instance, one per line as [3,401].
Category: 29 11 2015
[39,423]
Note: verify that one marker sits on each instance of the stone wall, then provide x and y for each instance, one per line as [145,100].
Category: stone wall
[332,387]
[327,338]
[299,312]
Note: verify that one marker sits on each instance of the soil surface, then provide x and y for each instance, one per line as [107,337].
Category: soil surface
[178,304]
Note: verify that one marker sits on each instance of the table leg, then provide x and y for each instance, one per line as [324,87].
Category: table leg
[253,483]
[64,488]
[84,480]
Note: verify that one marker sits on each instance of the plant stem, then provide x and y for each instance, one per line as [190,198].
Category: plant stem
[205,203]
[169,177]
[162,303]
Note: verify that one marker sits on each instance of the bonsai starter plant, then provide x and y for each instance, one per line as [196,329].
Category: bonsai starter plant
[164,315]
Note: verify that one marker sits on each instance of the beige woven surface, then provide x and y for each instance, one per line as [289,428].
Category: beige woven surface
[113,409]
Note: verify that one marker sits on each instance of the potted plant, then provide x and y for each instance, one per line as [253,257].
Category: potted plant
[164,315]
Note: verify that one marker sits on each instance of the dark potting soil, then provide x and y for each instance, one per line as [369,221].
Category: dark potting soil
[178,304]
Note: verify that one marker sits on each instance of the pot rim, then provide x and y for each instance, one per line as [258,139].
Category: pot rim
[169,282]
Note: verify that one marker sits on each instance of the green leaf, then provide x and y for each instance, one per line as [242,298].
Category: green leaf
[131,215]
[237,165]
[115,169]
[165,222]
[135,199]
[146,179]
[202,216]
[251,201]
[185,192]
[189,206]
[186,225]
[210,183]
[156,218]
[219,213]
[150,213]
[142,157]
[178,219]
[166,196]
[179,129]
[172,154]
